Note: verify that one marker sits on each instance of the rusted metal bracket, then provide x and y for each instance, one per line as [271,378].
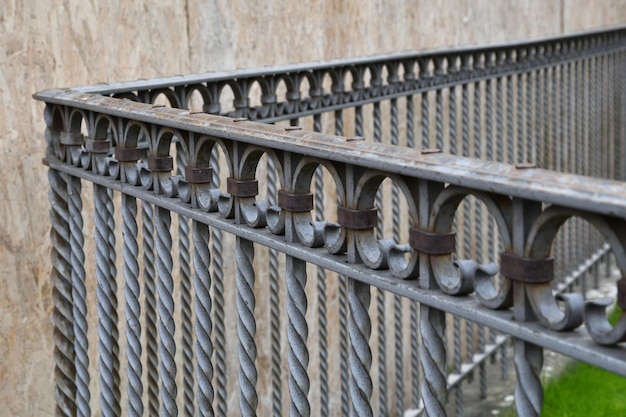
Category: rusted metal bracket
[71,138]
[98,146]
[160,163]
[127,154]
[242,188]
[295,202]
[432,243]
[357,219]
[529,270]
[196,175]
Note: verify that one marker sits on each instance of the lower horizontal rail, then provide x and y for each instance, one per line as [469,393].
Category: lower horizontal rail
[576,344]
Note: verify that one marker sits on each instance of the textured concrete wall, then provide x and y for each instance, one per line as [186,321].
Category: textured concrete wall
[56,43]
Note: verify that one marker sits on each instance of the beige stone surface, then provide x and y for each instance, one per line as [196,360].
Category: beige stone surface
[56,43]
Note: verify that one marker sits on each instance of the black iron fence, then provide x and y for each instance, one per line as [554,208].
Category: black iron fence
[484,184]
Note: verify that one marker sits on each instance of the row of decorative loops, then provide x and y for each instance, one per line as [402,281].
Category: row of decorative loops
[295,202]
[432,243]
[357,219]
[160,163]
[196,175]
[127,154]
[530,270]
[242,188]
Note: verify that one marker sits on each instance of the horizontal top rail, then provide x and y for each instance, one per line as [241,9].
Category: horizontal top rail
[586,193]
[551,45]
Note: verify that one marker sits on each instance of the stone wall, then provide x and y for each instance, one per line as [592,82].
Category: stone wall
[57,43]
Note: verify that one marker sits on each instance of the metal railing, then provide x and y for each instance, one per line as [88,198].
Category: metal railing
[511,195]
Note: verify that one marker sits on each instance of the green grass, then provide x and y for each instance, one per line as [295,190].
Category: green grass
[584,390]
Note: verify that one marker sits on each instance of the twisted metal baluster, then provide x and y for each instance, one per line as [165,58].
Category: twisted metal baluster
[510,129]
[439,118]
[520,117]
[528,389]
[413,317]
[499,121]
[343,313]
[218,292]
[397,300]
[491,244]
[62,314]
[360,328]
[358,120]
[410,122]
[274,302]
[433,360]
[380,294]
[452,125]
[529,118]
[107,309]
[165,305]
[339,122]
[184,261]
[321,303]
[458,392]
[150,308]
[204,325]
[321,287]
[113,276]
[297,334]
[343,344]
[425,122]
[79,294]
[133,308]
[246,327]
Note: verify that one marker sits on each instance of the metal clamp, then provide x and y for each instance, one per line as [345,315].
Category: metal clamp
[530,270]
[127,154]
[160,163]
[432,243]
[98,146]
[357,219]
[295,202]
[242,188]
[195,175]
[71,138]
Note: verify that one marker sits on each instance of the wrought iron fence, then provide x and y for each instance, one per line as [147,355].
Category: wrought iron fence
[492,181]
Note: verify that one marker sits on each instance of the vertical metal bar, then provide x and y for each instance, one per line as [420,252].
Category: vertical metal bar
[275,328]
[397,300]
[246,326]
[425,121]
[343,314]
[297,334]
[219,311]
[62,315]
[452,126]
[410,122]
[204,325]
[79,295]
[132,292]
[413,317]
[150,308]
[360,329]
[529,118]
[321,287]
[107,309]
[520,117]
[184,260]
[433,360]
[165,306]
[528,390]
